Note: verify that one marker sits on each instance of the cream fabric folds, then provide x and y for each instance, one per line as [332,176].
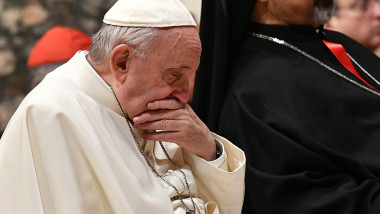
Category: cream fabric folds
[68,150]
[149,13]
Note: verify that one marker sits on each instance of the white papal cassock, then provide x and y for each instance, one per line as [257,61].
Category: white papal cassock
[68,150]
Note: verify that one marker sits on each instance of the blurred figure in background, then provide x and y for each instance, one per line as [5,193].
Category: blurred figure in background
[358,19]
[53,49]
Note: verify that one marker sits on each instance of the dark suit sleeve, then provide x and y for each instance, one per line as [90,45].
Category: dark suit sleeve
[290,172]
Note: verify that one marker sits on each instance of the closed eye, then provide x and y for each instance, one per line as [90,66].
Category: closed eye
[172,77]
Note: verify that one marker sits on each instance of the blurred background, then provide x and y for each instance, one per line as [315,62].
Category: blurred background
[23,22]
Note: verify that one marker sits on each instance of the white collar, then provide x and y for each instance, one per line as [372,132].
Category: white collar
[82,56]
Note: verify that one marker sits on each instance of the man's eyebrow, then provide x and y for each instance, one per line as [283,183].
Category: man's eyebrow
[185,67]
[179,67]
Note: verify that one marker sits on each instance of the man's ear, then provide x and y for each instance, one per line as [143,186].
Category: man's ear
[118,62]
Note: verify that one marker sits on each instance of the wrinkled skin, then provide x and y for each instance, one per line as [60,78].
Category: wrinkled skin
[155,91]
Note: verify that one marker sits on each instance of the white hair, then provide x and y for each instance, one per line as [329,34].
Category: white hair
[110,36]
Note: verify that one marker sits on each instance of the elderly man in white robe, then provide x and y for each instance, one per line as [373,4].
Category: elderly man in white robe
[110,131]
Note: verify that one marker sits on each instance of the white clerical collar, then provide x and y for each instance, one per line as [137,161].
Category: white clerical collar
[82,57]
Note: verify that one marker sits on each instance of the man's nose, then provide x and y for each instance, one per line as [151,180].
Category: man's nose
[376,9]
[182,91]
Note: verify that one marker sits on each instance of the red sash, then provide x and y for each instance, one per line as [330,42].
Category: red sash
[341,54]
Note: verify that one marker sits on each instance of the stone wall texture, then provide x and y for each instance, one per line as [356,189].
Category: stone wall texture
[22,23]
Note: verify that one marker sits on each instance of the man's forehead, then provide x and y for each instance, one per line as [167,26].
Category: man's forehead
[175,35]
[347,2]
[362,5]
